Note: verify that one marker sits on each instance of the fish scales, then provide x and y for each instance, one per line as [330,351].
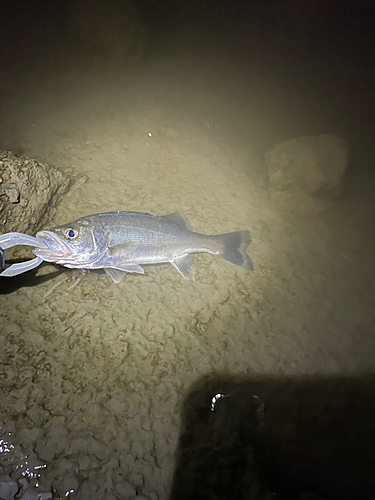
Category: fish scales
[120,242]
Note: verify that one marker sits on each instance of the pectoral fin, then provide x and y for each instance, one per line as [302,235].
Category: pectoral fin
[123,248]
[117,273]
[185,266]
[130,268]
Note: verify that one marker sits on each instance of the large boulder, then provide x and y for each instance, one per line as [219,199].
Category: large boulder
[312,165]
[115,29]
[29,191]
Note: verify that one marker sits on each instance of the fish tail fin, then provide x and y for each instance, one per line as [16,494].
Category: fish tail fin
[233,248]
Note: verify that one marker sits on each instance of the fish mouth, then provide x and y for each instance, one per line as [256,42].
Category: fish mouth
[54,248]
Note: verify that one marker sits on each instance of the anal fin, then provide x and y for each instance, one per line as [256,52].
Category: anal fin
[185,266]
[115,274]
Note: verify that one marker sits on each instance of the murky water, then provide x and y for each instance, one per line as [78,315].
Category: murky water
[94,374]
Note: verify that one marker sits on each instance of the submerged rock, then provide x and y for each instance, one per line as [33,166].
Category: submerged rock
[36,495]
[29,191]
[125,491]
[314,165]
[8,488]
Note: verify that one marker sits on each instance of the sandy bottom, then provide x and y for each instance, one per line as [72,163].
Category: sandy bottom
[93,376]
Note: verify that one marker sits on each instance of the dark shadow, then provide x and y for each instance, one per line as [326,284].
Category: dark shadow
[29,278]
[26,280]
[286,436]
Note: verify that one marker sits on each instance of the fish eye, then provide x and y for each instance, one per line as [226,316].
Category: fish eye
[70,233]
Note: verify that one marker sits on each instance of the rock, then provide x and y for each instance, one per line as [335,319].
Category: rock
[45,449]
[8,488]
[114,30]
[45,495]
[148,493]
[83,462]
[29,190]
[314,165]
[29,437]
[36,495]
[70,485]
[125,491]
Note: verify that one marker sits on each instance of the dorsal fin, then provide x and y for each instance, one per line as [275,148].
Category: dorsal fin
[177,218]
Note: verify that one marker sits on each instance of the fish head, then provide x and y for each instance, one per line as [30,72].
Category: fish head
[76,244]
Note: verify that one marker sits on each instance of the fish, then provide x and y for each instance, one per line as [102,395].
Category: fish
[122,242]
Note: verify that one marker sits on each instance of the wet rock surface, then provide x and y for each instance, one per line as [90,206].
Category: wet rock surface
[8,488]
[29,192]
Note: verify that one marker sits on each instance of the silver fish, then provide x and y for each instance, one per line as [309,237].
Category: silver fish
[120,242]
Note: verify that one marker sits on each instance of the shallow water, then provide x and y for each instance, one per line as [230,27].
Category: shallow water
[94,374]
